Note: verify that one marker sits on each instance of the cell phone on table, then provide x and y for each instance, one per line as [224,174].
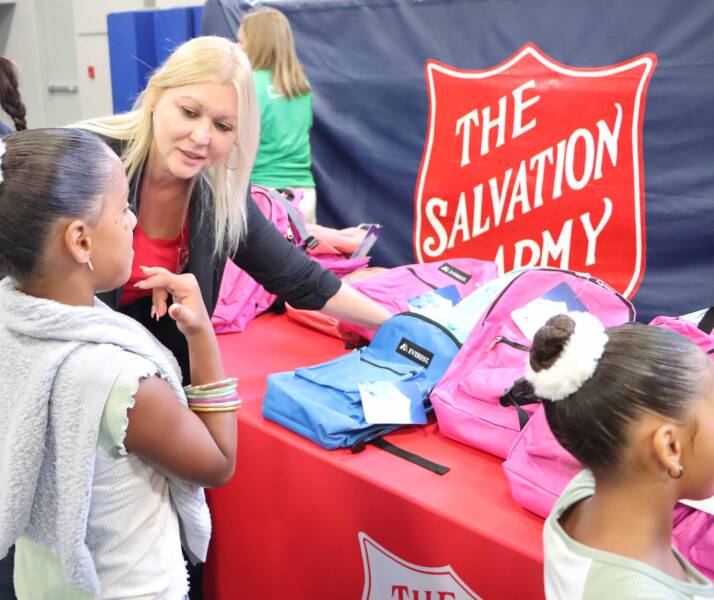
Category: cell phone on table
[373,231]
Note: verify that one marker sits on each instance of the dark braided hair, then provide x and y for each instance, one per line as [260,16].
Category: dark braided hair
[10,94]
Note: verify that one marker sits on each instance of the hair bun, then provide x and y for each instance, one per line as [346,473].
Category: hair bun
[565,354]
[550,340]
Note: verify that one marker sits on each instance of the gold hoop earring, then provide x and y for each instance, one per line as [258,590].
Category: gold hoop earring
[680,472]
[90,265]
[224,162]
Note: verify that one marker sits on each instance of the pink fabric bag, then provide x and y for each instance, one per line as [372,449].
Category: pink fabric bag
[395,287]
[538,468]
[467,399]
[703,339]
[693,536]
[241,298]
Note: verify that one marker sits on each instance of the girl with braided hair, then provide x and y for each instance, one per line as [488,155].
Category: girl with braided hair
[10,96]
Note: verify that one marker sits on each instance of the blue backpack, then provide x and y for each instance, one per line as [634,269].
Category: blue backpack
[322,403]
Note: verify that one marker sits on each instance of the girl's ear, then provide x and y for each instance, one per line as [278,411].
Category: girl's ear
[78,242]
[668,448]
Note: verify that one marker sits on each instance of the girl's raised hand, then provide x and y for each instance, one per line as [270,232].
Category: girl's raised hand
[187,309]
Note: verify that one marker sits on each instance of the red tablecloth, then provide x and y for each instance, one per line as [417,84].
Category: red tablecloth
[300,522]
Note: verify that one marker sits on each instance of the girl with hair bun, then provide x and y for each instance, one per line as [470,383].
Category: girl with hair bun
[635,405]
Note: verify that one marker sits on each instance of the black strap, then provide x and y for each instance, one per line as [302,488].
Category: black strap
[707,322]
[518,395]
[420,461]
[522,416]
[296,219]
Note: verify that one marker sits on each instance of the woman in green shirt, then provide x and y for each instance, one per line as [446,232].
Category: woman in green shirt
[285,101]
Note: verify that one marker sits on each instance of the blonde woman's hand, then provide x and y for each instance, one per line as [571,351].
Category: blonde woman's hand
[187,309]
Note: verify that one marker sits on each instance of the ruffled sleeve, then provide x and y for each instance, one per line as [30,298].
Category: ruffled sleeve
[115,419]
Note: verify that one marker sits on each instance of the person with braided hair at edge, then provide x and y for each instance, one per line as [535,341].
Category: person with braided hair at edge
[635,405]
[98,499]
[10,96]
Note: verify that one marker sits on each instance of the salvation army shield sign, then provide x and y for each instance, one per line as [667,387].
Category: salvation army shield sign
[534,163]
[388,576]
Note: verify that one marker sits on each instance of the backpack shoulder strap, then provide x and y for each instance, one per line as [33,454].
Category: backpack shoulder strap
[376,438]
[296,219]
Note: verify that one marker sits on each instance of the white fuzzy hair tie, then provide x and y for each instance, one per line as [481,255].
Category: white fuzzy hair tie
[575,364]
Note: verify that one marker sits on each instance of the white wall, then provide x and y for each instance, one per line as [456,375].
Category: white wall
[54,42]
[20,41]
[92,49]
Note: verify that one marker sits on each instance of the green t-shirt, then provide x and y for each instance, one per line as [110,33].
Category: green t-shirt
[284,153]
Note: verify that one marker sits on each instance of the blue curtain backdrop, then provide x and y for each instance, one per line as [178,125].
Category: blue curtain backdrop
[365,60]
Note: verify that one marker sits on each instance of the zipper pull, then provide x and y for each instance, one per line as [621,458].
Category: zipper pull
[496,340]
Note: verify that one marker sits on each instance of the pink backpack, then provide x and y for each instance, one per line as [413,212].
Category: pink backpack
[241,298]
[693,536]
[467,399]
[700,334]
[538,468]
[394,287]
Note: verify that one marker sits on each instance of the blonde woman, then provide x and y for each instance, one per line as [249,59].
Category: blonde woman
[188,148]
[285,101]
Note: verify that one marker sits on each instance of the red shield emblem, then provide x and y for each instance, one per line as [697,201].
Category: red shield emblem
[388,576]
[534,163]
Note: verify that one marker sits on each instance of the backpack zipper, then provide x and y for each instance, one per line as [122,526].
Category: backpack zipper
[504,340]
[369,362]
[413,272]
[435,324]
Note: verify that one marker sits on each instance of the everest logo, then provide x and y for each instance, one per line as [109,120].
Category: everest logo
[388,577]
[415,352]
[535,163]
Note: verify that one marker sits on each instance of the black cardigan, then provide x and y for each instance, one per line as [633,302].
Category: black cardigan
[264,254]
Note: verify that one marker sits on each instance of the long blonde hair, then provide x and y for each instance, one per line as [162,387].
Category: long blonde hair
[269,45]
[202,59]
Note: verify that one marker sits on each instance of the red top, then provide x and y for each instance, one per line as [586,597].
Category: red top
[171,254]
